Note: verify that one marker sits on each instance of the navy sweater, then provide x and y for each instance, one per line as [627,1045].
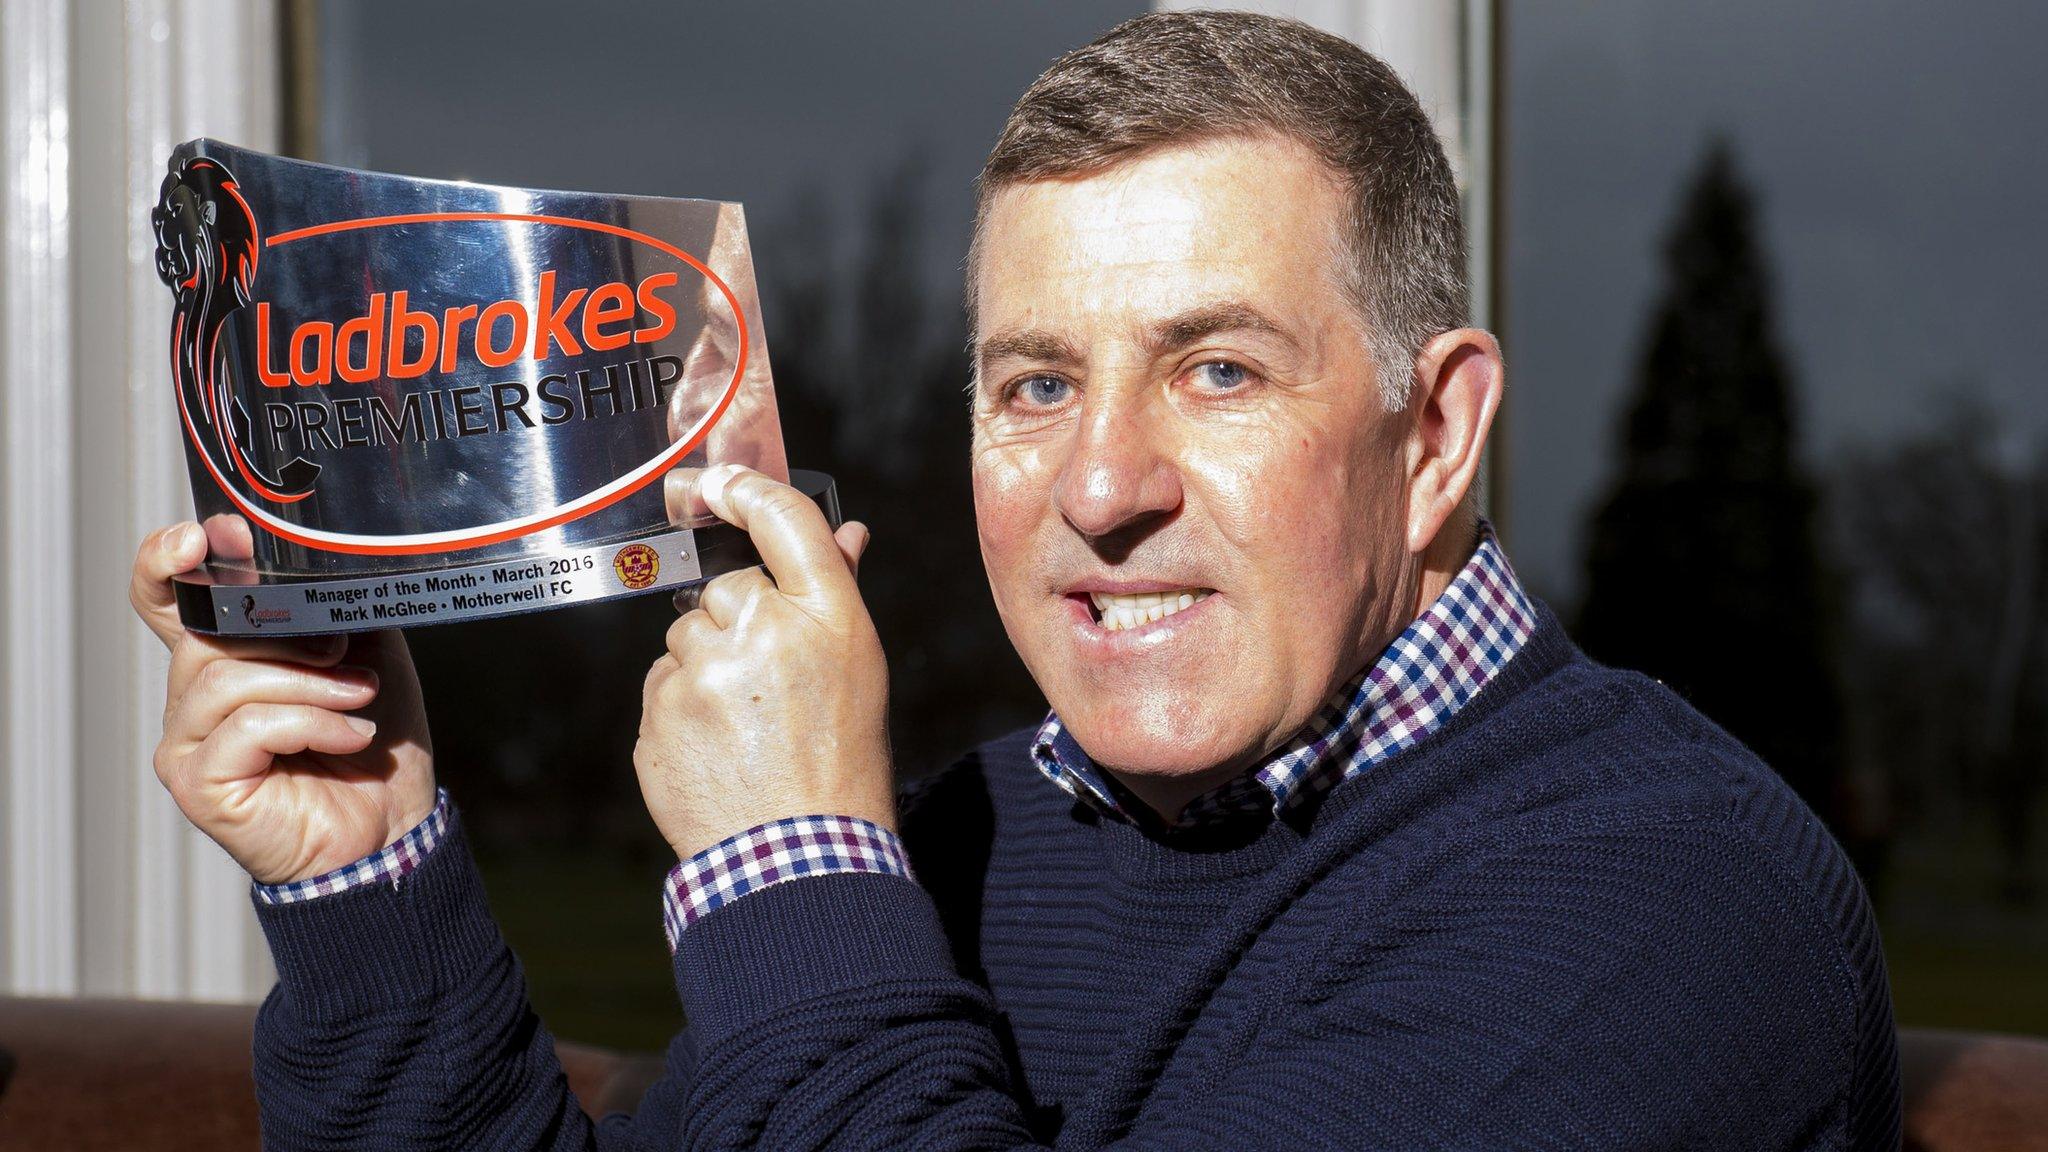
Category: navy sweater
[1577,916]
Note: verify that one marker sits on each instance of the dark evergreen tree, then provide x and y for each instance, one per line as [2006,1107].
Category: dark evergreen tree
[1703,567]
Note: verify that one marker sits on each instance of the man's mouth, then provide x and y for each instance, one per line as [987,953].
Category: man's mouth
[1116,611]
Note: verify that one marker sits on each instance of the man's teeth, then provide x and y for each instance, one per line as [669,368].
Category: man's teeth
[1120,611]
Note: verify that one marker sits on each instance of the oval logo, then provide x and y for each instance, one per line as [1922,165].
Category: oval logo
[397,339]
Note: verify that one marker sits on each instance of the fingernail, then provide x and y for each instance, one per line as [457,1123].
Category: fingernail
[364,677]
[712,485]
[363,727]
[187,537]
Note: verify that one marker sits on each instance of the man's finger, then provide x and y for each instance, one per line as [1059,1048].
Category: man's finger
[726,598]
[852,538]
[225,685]
[787,528]
[228,537]
[663,668]
[684,636]
[256,734]
[681,498]
[164,553]
[194,651]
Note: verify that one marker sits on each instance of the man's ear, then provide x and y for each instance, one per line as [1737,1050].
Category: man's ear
[1458,381]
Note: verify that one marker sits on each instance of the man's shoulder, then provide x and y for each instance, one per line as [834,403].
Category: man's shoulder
[1598,745]
[1636,762]
[1636,819]
[1662,762]
[1604,786]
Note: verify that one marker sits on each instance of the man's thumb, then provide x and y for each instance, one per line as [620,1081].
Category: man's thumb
[852,538]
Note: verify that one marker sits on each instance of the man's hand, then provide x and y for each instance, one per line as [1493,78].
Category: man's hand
[773,698]
[298,756]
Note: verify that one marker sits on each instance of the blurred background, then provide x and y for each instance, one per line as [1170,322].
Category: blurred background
[1764,275]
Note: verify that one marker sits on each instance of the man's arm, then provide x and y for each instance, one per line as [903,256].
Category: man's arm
[1689,996]
[400,1020]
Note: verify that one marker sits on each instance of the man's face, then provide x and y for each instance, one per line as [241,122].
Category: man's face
[1191,500]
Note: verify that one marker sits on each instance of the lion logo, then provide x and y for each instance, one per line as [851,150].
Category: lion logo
[207,246]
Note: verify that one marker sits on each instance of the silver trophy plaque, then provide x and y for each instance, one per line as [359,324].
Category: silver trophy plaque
[414,401]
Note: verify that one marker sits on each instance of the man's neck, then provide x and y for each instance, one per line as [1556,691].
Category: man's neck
[1440,565]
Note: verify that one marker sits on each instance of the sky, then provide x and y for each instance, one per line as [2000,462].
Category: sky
[764,103]
[1898,150]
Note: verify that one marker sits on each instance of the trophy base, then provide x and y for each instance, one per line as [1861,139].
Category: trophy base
[225,600]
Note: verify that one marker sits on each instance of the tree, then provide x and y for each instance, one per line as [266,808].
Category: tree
[1946,532]
[1703,565]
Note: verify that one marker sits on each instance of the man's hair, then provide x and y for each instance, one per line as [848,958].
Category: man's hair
[1177,78]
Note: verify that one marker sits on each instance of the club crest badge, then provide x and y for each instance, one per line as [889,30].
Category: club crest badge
[637,566]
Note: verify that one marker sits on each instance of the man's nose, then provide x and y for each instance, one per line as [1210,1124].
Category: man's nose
[1121,472]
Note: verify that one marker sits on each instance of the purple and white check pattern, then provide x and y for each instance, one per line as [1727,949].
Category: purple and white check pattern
[1430,671]
[769,854]
[391,864]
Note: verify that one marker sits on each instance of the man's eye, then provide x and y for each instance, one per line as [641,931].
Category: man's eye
[1221,375]
[1041,390]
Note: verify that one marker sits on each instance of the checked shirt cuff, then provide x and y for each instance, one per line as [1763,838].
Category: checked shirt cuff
[391,864]
[769,854]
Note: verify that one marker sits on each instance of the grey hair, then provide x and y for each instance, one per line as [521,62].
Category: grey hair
[1177,78]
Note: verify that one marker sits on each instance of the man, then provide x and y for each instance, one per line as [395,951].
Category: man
[1332,840]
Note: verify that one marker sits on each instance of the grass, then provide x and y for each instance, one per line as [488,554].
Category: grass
[588,930]
[1944,983]
[1959,955]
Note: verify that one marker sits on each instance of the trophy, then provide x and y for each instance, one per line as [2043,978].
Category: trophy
[434,400]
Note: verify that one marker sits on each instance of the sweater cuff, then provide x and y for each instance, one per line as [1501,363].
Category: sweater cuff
[771,853]
[377,946]
[792,943]
[392,863]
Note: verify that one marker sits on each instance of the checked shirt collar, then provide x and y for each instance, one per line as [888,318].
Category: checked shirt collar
[1431,670]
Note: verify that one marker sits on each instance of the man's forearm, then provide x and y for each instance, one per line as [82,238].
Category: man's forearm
[827,1014]
[400,1020]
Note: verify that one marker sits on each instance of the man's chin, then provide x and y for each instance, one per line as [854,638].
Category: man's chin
[1164,744]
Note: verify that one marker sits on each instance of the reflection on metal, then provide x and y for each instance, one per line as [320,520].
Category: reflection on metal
[385,383]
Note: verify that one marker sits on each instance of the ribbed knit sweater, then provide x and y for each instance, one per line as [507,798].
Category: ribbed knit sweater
[1576,916]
